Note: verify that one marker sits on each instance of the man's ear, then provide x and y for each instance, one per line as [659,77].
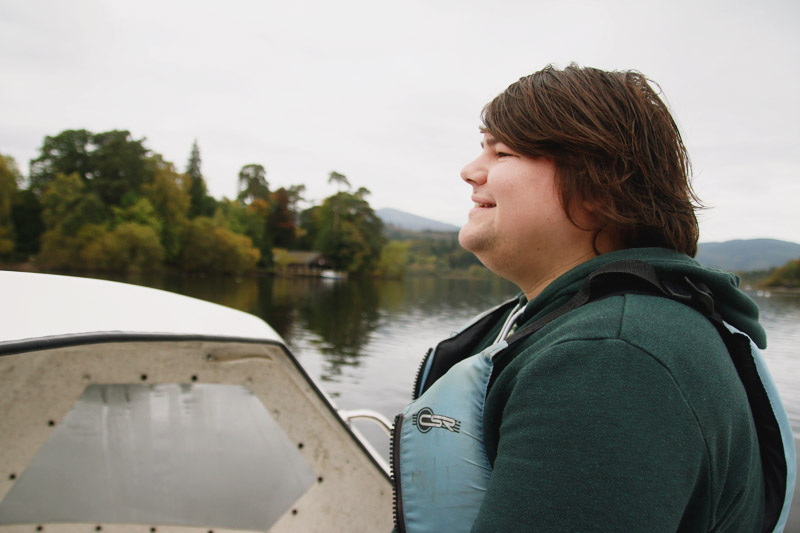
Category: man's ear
[606,236]
[583,215]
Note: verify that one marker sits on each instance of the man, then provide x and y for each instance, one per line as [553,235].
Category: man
[606,397]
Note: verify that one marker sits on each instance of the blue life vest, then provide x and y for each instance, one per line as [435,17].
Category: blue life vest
[438,443]
[440,467]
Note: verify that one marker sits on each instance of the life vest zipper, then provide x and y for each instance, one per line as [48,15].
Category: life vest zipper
[420,370]
[394,460]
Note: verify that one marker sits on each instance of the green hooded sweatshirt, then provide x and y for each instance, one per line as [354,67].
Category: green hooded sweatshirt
[624,415]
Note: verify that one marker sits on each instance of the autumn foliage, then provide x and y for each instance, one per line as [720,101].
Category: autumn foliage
[105,202]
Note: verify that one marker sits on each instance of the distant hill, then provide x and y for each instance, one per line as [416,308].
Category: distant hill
[747,255]
[744,255]
[407,221]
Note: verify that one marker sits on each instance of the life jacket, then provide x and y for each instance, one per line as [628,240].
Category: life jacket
[440,467]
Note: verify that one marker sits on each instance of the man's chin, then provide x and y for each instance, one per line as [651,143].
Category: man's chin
[472,239]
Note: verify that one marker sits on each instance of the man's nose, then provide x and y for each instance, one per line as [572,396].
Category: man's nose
[474,173]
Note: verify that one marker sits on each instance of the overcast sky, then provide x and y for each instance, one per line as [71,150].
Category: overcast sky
[389,94]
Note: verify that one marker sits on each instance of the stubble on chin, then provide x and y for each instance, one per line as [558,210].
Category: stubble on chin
[475,240]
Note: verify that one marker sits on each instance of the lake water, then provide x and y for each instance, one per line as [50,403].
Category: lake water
[362,341]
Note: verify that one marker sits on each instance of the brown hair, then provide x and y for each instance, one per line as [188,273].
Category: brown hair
[615,146]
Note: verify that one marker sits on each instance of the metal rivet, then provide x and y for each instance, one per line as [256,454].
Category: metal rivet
[144,377]
[319,479]
[294,511]
[299,445]
[51,423]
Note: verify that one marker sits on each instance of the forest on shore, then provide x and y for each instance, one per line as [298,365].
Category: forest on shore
[105,202]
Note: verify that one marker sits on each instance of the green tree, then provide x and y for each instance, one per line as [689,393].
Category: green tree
[296,193]
[253,183]
[348,232]
[308,228]
[138,211]
[394,260]
[26,212]
[91,251]
[67,208]
[118,165]
[249,220]
[168,195]
[786,276]
[210,248]
[58,251]
[112,164]
[130,247]
[201,204]
[282,258]
[65,153]
[340,180]
[133,247]
[9,183]
[67,205]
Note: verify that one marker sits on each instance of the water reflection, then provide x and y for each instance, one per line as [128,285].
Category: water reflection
[344,322]
[341,319]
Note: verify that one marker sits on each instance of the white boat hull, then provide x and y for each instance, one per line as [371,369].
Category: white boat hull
[43,380]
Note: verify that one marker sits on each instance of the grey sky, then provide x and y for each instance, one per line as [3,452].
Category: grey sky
[389,94]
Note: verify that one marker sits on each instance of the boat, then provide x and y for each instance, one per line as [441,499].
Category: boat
[332,274]
[126,408]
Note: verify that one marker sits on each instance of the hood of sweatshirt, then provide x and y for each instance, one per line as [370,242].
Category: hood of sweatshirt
[735,306]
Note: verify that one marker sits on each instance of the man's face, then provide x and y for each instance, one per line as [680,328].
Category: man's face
[518,227]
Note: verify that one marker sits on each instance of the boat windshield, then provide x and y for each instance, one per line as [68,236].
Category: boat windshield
[179,454]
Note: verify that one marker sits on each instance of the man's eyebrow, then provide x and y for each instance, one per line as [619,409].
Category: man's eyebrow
[491,141]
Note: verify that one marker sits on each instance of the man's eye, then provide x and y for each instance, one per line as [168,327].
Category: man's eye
[504,154]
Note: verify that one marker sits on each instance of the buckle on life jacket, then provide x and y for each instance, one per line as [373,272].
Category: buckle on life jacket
[696,295]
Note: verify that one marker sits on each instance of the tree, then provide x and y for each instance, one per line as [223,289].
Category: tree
[296,193]
[348,232]
[65,153]
[118,166]
[67,206]
[169,196]
[786,276]
[133,247]
[281,221]
[201,204]
[139,211]
[308,228]
[253,183]
[282,258]
[249,220]
[58,251]
[67,211]
[26,212]
[9,182]
[394,259]
[130,247]
[340,180]
[210,248]
[112,164]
